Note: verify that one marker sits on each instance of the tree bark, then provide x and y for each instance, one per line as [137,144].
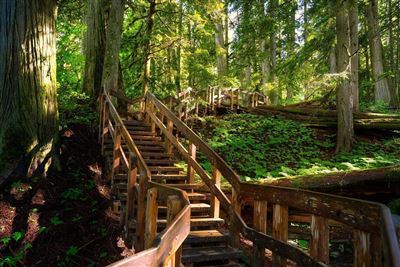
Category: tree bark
[382,91]
[113,44]
[94,46]
[28,103]
[354,61]
[344,98]
[220,46]
[147,47]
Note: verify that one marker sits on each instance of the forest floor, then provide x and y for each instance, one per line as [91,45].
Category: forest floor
[63,219]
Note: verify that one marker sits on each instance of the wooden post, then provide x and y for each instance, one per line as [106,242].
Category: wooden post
[190,170]
[174,206]
[141,208]
[162,121]
[238,98]
[361,249]
[153,123]
[235,238]
[168,145]
[279,231]
[252,100]
[212,98]
[151,218]
[260,224]
[104,127]
[319,244]
[116,152]
[219,97]
[376,248]
[215,205]
[146,115]
[132,180]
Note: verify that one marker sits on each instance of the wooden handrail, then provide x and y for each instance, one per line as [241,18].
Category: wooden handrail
[169,241]
[372,220]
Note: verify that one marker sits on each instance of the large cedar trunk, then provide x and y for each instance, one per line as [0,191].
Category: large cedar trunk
[344,98]
[147,47]
[220,47]
[94,46]
[354,54]
[28,104]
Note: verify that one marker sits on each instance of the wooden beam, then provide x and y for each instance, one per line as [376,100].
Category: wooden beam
[190,170]
[259,224]
[151,218]
[215,205]
[279,231]
[319,245]
[132,181]
[361,249]
[116,152]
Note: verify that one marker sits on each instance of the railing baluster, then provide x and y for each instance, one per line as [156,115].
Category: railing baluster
[174,205]
[232,99]
[235,238]
[238,98]
[132,181]
[361,249]
[190,170]
[101,111]
[168,144]
[153,124]
[116,152]
[260,224]
[215,205]
[376,247]
[319,245]
[104,127]
[151,217]
[279,231]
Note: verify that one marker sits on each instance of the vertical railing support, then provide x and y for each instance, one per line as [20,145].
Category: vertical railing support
[141,208]
[232,99]
[215,205]
[237,207]
[190,170]
[151,217]
[174,205]
[219,97]
[104,127]
[319,245]
[131,188]
[101,111]
[168,145]
[238,98]
[116,151]
[260,224]
[361,249]
[279,231]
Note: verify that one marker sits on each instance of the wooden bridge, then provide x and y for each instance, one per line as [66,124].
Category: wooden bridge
[180,215]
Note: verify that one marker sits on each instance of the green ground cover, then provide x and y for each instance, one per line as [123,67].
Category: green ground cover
[259,147]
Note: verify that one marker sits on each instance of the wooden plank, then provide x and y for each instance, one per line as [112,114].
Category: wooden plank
[131,187]
[215,205]
[361,249]
[174,205]
[151,218]
[116,152]
[260,224]
[319,243]
[279,231]
[190,170]
[237,207]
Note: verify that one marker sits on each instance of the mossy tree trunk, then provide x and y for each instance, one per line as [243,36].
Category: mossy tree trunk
[28,103]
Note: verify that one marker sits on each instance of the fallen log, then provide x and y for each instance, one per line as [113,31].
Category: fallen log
[342,181]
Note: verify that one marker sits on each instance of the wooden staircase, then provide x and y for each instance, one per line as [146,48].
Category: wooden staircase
[176,218]
[208,240]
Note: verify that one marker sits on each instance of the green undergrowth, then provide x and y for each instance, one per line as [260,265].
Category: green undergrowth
[260,147]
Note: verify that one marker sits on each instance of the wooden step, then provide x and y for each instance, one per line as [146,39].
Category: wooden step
[148,143]
[155,155]
[165,169]
[169,177]
[187,186]
[145,138]
[194,208]
[208,254]
[152,148]
[142,133]
[133,128]
[196,196]
[160,162]
[196,222]
[134,122]
[206,236]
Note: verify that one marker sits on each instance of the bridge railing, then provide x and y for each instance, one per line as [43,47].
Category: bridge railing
[148,195]
[374,236]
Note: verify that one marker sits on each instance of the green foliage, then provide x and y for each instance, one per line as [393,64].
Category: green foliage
[72,194]
[261,147]
[56,221]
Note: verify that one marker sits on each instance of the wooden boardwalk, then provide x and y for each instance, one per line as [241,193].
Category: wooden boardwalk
[176,213]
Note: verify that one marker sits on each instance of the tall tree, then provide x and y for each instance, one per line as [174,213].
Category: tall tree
[111,66]
[354,61]
[94,46]
[344,98]
[147,46]
[28,104]
[382,91]
[220,42]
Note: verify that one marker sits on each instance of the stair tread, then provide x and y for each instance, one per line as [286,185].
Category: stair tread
[199,221]
[196,196]
[204,254]
[164,168]
[206,236]
[134,122]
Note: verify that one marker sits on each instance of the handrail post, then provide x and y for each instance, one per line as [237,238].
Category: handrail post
[238,99]
[232,101]
[140,218]
[151,217]
[132,181]
[104,127]
[260,224]
[235,238]
[362,242]
[319,245]
[219,97]
[215,205]
[101,110]
[116,151]
[279,231]
[153,123]
[190,170]
[212,98]
[168,145]
[174,206]
[146,115]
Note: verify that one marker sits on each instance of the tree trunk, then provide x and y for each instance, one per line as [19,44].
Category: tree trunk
[291,42]
[94,46]
[382,91]
[147,47]
[178,49]
[28,103]
[354,61]
[332,60]
[344,99]
[113,44]
[305,21]
[220,47]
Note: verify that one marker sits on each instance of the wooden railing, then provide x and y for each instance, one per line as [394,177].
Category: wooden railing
[374,239]
[165,248]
